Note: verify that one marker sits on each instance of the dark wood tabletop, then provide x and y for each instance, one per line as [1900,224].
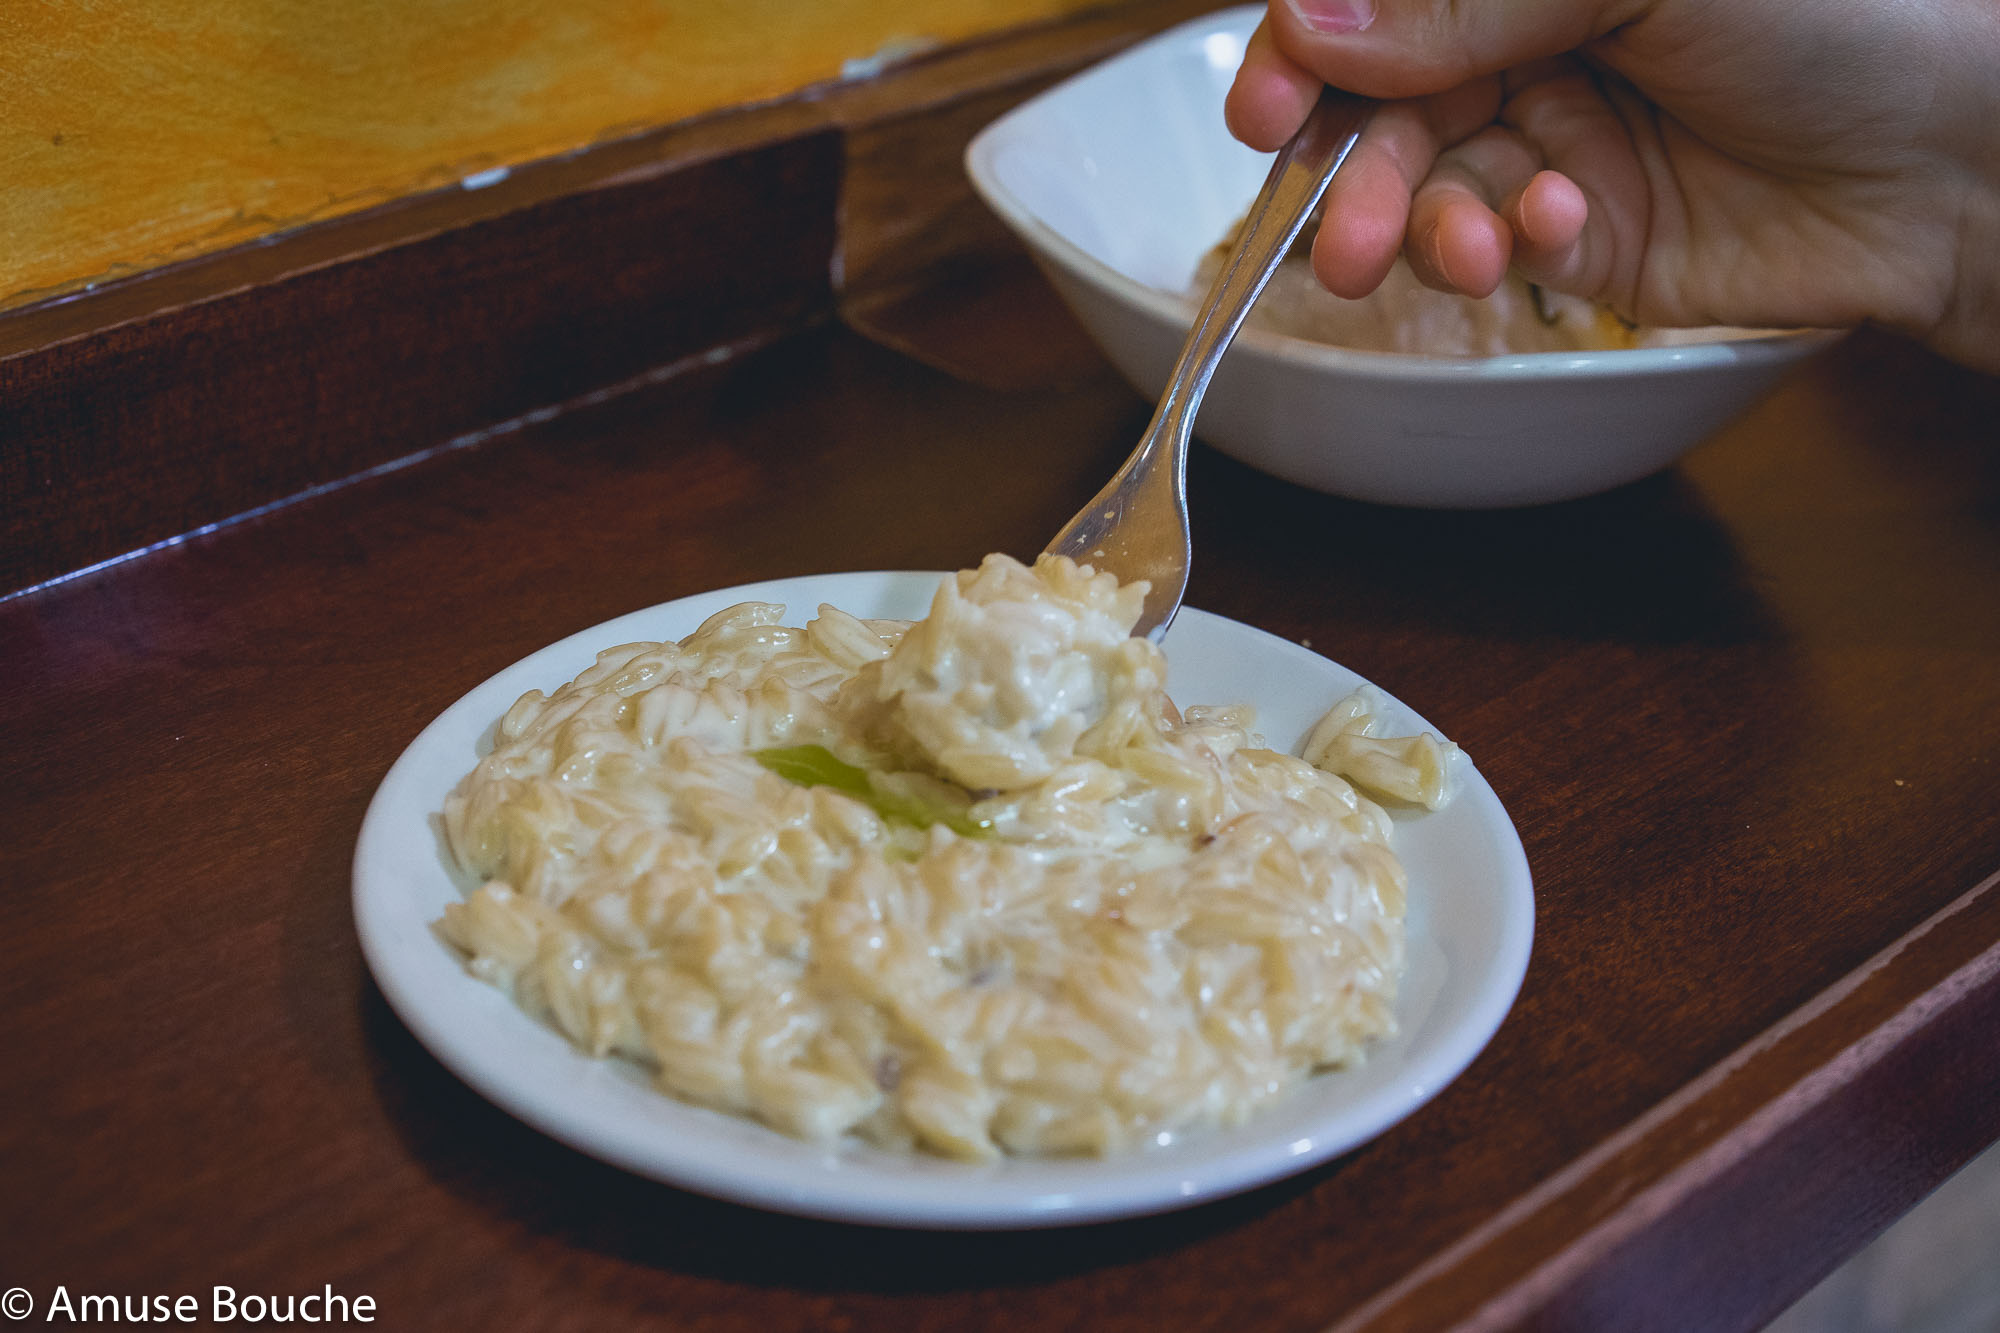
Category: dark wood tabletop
[1745,715]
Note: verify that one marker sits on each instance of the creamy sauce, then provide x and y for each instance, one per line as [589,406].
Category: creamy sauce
[969,885]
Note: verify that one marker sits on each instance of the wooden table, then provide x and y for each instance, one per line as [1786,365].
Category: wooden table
[1746,715]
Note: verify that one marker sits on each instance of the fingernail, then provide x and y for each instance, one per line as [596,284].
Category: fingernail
[1334,16]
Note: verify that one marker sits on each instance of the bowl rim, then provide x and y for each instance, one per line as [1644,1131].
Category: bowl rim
[1050,247]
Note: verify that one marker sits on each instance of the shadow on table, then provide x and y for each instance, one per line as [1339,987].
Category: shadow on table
[1647,563]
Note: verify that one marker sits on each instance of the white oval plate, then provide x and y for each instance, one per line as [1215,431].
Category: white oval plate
[1471,918]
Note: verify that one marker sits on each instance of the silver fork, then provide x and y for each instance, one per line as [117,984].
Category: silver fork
[1137,526]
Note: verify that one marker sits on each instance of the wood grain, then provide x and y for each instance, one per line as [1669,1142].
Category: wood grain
[192,125]
[1743,714]
[144,431]
[185,395]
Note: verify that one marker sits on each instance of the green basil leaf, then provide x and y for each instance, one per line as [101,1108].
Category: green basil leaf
[817,766]
[814,766]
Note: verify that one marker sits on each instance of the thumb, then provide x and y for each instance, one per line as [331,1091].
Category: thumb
[1412,48]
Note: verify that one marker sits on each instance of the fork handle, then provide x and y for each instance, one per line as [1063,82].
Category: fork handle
[1299,176]
[1137,525]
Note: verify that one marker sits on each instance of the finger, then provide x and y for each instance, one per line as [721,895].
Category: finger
[1270,97]
[1548,210]
[1367,209]
[1595,187]
[1462,246]
[1458,240]
[1412,48]
[1547,217]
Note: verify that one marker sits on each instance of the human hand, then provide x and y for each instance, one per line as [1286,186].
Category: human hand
[1763,162]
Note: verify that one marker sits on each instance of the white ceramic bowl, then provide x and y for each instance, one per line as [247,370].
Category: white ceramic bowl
[1121,178]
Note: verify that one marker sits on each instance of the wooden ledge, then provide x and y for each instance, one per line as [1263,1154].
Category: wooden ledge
[1863,1094]
[175,399]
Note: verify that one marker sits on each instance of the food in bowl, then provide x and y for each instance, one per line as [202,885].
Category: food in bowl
[969,885]
[1403,315]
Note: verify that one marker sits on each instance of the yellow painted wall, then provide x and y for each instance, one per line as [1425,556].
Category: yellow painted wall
[137,132]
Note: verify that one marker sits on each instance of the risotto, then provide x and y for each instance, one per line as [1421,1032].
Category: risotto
[970,885]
